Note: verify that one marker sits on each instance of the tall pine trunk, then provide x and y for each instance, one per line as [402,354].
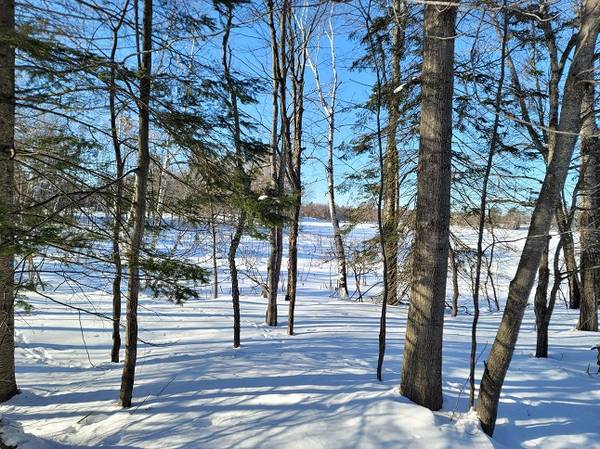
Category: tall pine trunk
[8,383]
[590,217]
[277,167]
[522,283]
[118,201]
[214,242]
[391,166]
[422,364]
[237,139]
[138,208]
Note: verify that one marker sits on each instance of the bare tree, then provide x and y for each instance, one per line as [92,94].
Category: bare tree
[391,210]
[328,104]
[483,208]
[422,364]
[139,205]
[118,205]
[563,144]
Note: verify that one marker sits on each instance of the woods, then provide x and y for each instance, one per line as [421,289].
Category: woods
[413,188]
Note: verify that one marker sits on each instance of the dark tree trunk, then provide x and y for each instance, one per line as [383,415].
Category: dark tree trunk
[422,364]
[391,212]
[139,209]
[569,253]
[293,266]
[455,291]
[521,285]
[277,159]
[235,289]
[240,159]
[118,201]
[482,214]
[8,383]
[590,218]
[214,242]
[540,307]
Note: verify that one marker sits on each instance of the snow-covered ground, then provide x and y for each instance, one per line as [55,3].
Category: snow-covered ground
[316,389]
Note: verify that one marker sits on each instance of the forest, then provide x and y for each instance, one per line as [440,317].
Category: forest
[290,224]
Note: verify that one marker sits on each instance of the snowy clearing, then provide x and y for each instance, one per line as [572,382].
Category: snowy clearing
[316,389]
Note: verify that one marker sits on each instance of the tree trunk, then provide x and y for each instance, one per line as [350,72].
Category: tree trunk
[590,218]
[293,266]
[569,253]
[118,201]
[8,383]
[139,209]
[544,311]
[455,291]
[240,159]
[482,213]
[422,364]
[521,285]
[340,253]
[540,307]
[235,289]
[215,265]
[276,234]
[391,166]
[329,110]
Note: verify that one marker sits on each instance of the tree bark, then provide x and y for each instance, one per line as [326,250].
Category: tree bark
[139,208]
[521,285]
[8,383]
[422,364]
[590,217]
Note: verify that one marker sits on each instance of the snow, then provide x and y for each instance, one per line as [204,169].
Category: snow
[316,389]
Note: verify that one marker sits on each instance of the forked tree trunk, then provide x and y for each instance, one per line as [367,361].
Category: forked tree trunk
[590,218]
[422,364]
[543,310]
[569,253]
[8,383]
[521,285]
[139,209]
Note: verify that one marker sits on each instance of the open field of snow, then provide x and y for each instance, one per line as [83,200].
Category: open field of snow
[316,389]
